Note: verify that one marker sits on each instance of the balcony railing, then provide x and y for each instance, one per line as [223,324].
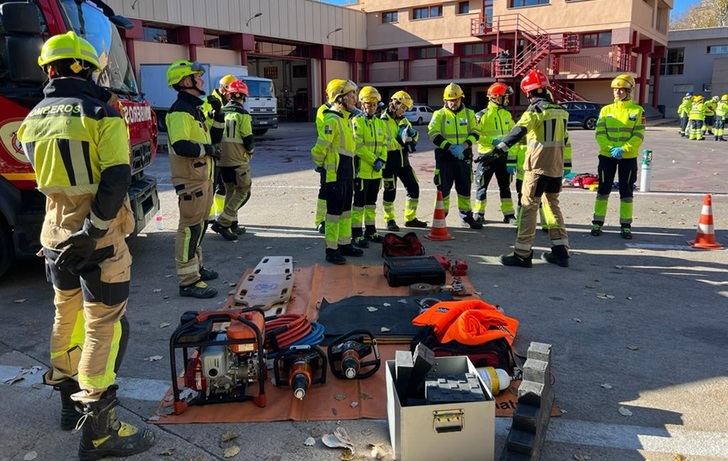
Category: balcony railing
[598,64]
[476,69]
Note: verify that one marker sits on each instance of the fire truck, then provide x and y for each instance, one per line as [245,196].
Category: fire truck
[24,26]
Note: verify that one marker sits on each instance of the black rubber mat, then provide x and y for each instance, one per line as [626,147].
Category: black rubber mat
[394,314]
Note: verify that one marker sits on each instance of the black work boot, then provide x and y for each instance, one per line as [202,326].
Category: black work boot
[350,250]
[415,223]
[335,257]
[358,239]
[321,227]
[516,260]
[470,221]
[596,230]
[375,237]
[558,255]
[510,219]
[392,226]
[626,233]
[69,413]
[105,436]
[226,232]
[237,229]
[207,274]
[198,290]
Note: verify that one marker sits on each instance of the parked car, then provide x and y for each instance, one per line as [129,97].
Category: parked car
[419,114]
[583,113]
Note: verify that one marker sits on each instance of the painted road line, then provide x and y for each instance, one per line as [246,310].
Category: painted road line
[560,430]
[148,390]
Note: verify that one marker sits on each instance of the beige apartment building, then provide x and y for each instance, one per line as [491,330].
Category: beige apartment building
[418,45]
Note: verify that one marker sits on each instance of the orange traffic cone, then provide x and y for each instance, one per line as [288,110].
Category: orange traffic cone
[439,226]
[705,237]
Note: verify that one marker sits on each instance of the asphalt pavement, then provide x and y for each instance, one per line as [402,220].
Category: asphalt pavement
[638,326]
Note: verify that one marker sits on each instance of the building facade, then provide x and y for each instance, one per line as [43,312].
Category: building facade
[418,45]
[696,61]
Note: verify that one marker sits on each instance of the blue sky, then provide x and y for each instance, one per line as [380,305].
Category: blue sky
[680,6]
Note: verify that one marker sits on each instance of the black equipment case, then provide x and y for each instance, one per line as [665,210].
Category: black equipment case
[406,270]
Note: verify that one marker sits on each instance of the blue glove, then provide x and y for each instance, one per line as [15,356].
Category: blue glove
[458,151]
[495,142]
[378,164]
[616,152]
[567,171]
[404,135]
[511,169]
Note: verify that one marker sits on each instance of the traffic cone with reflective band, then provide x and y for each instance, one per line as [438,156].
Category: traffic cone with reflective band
[705,237]
[439,226]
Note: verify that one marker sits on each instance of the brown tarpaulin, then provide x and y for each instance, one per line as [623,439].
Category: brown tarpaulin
[337,399]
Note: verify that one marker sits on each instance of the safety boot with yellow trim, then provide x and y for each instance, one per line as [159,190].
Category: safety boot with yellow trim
[198,290]
[105,436]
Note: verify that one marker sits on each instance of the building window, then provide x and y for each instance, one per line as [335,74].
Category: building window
[596,39]
[300,71]
[389,16]
[475,49]
[463,7]
[427,12]
[158,34]
[384,55]
[674,62]
[718,49]
[339,54]
[684,88]
[428,52]
[522,3]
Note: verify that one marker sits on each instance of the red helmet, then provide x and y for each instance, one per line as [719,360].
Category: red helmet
[499,89]
[534,80]
[238,87]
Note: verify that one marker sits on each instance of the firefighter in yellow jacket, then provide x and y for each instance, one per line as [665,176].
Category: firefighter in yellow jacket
[619,134]
[213,103]
[454,130]
[234,164]
[334,152]
[370,134]
[78,146]
[683,110]
[721,112]
[696,118]
[548,155]
[494,122]
[191,159]
[402,141]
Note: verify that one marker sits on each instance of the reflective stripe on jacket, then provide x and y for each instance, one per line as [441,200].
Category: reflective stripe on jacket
[79,148]
[621,124]
[372,140]
[697,112]
[237,140]
[447,127]
[335,138]
[188,134]
[494,122]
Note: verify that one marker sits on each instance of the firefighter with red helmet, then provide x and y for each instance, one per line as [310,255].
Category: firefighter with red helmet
[548,155]
[237,149]
[494,122]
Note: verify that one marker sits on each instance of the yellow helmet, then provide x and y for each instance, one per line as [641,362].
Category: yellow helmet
[724,97]
[338,87]
[227,80]
[452,91]
[404,98]
[181,69]
[68,46]
[623,81]
[369,94]
[698,98]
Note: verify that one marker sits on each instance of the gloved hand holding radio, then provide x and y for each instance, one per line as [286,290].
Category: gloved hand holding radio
[378,164]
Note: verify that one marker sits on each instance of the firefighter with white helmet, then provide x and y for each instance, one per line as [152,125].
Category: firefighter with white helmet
[620,132]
